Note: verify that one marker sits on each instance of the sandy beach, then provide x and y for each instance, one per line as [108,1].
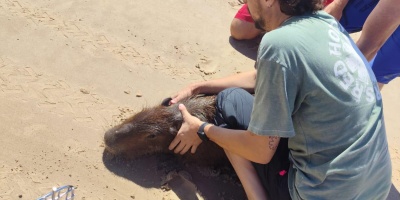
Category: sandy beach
[70,70]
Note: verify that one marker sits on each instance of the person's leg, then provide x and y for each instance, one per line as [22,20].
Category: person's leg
[242,26]
[233,108]
[380,85]
[264,180]
[233,111]
[274,175]
[248,176]
[386,64]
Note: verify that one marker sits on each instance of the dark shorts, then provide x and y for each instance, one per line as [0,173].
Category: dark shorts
[386,64]
[234,107]
[355,13]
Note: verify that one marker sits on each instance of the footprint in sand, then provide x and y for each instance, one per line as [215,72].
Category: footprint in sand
[206,66]
[236,3]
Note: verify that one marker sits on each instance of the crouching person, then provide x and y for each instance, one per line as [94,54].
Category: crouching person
[316,129]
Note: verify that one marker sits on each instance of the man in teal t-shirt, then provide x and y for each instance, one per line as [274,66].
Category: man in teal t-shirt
[311,86]
[314,88]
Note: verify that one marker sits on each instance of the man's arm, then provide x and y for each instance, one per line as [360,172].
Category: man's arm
[256,148]
[378,27]
[245,80]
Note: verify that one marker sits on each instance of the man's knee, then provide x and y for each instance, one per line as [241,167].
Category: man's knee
[234,106]
[231,95]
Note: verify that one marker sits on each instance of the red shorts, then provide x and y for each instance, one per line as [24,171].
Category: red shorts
[243,14]
[327,2]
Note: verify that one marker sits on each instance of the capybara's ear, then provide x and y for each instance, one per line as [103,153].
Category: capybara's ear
[166,101]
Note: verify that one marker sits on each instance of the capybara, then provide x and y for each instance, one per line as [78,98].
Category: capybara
[151,130]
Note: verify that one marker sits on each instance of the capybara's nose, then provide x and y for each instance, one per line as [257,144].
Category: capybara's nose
[109,137]
[112,136]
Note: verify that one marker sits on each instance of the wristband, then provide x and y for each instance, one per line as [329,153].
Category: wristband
[202,135]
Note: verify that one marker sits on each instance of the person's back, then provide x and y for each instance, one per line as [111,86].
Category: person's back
[338,147]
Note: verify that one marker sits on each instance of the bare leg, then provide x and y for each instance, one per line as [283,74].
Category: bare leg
[380,86]
[234,106]
[243,30]
[248,177]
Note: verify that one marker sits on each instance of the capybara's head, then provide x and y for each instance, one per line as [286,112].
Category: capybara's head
[149,131]
[153,129]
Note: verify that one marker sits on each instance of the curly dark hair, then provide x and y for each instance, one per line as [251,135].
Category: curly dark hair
[300,7]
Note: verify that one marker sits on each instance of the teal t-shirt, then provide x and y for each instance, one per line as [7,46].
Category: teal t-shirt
[314,88]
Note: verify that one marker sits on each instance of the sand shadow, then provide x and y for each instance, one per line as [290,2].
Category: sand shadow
[166,172]
[248,48]
[154,171]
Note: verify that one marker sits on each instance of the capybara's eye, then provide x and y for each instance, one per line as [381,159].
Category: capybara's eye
[151,136]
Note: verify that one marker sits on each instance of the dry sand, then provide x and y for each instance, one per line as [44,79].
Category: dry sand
[69,70]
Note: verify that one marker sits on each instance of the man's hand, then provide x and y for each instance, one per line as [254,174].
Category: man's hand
[185,92]
[187,135]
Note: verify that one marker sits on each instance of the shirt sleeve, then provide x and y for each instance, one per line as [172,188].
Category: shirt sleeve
[275,95]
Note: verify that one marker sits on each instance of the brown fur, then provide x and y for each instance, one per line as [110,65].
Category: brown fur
[151,131]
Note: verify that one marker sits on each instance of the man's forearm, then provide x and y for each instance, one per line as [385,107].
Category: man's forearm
[245,80]
[256,148]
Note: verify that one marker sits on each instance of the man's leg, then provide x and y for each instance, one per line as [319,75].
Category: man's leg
[274,175]
[248,176]
[234,107]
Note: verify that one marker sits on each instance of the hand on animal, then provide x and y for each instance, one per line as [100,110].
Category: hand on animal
[182,94]
[187,137]
[166,101]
